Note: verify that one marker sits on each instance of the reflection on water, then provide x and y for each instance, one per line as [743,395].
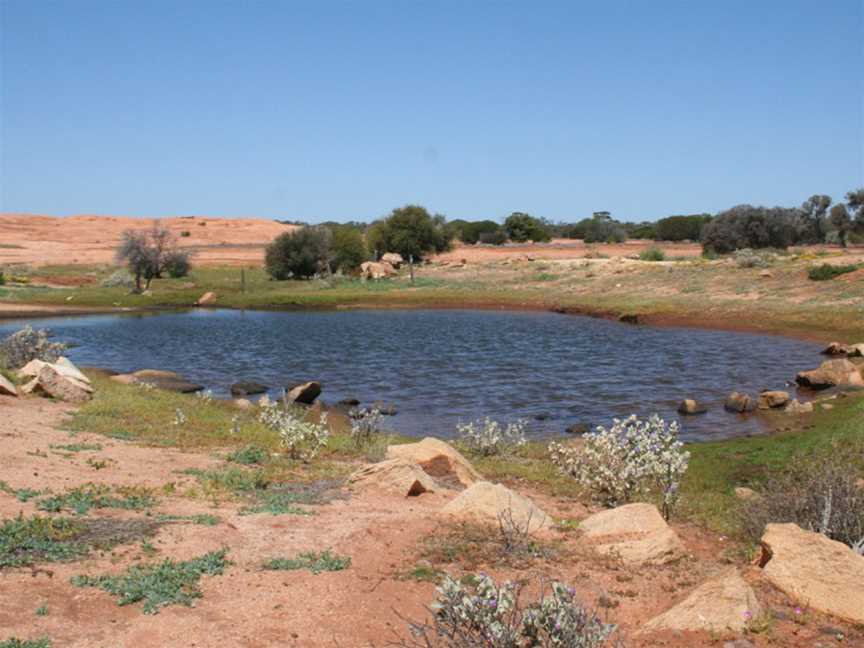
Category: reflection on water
[439,367]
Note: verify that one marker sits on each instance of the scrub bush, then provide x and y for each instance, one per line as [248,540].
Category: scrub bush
[488,437]
[301,438]
[366,426]
[747,258]
[119,279]
[652,254]
[28,344]
[303,253]
[826,271]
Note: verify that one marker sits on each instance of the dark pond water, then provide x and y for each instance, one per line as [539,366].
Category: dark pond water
[440,367]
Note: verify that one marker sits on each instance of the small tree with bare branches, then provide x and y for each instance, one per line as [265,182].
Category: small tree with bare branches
[150,253]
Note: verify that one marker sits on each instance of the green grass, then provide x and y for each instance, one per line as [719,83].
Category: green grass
[89,496]
[159,584]
[21,494]
[276,503]
[204,519]
[42,610]
[652,254]
[249,455]
[14,642]
[25,541]
[826,271]
[314,562]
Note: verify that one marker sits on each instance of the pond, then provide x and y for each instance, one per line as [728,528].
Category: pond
[439,367]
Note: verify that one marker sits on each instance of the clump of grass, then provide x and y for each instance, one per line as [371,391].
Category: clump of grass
[77,447]
[14,642]
[25,541]
[204,519]
[89,496]
[249,455]
[276,503]
[230,479]
[826,271]
[314,562]
[653,253]
[160,584]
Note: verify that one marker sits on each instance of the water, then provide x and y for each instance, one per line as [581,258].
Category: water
[440,367]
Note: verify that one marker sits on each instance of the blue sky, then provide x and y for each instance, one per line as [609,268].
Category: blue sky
[344,110]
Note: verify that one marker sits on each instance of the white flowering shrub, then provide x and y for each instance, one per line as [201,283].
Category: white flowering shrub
[28,344]
[179,418]
[488,437]
[630,458]
[366,426]
[205,396]
[301,438]
[488,614]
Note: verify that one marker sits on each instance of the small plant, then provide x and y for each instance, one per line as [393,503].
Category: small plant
[747,258]
[83,498]
[626,460]
[77,447]
[24,541]
[483,613]
[275,503]
[826,271]
[205,396]
[366,426]
[653,253]
[42,610]
[488,437]
[159,584]
[14,642]
[179,418]
[301,438]
[314,562]
[249,455]
[28,344]
[98,464]
[21,494]
[204,519]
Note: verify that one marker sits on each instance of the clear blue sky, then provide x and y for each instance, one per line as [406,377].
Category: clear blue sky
[344,110]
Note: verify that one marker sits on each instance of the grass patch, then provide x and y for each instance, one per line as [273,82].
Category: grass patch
[89,496]
[77,447]
[652,254]
[249,455]
[204,519]
[14,642]
[160,584]
[314,562]
[21,494]
[826,271]
[25,541]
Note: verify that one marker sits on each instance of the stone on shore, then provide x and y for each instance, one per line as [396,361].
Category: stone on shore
[63,366]
[496,503]
[62,387]
[723,603]
[160,379]
[304,393]
[797,407]
[397,476]
[206,299]
[372,270]
[247,388]
[739,403]
[394,259]
[815,570]
[438,459]
[6,387]
[637,533]
[831,373]
[771,399]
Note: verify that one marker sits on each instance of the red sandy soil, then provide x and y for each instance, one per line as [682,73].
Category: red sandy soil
[250,607]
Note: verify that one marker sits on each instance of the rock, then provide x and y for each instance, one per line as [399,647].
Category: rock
[494,502]
[542,416]
[439,460]
[826,406]
[397,476]
[739,403]
[813,569]
[62,366]
[770,399]
[206,299]
[62,387]
[243,403]
[166,380]
[247,388]
[723,603]
[304,393]
[690,407]
[393,259]
[577,429]
[348,402]
[372,270]
[797,407]
[635,532]
[744,493]
[766,274]
[835,349]
[629,318]
[855,350]
[6,387]
[831,373]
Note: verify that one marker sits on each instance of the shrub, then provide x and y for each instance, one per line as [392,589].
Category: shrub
[488,437]
[746,226]
[820,495]
[365,426]
[641,231]
[177,264]
[521,227]
[681,228]
[302,439]
[747,258]
[603,229]
[28,344]
[491,615]
[185,234]
[498,237]
[302,253]
[119,279]
[471,232]
[628,459]
[349,248]
[249,455]
[410,231]
[2,279]
[826,271]
[149,253]
[14,642]
[652,254]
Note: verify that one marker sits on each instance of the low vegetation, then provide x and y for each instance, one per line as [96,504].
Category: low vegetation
[488,437]
[81,499]
[314,562]
[28,344]
[826,271]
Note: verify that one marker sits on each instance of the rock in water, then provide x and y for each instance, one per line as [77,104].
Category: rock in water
[797,407]
[439,460]
[247,388]
[831,373]
[690,407]
[721,604]
[811,568]
[304,393]
[635,532]
[771,399]
[496,503]
[6,387]
[61,387]
[739,403]
[395,476]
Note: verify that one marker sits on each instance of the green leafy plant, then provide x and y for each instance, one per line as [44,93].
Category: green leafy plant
[83,498]
[14,642]
[249,455]
[652,254]
[826,271]
[314,562]
[24,541]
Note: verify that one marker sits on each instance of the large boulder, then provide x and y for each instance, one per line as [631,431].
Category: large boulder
[489,502]
[797,407]
[63,366]
[690,407]
[247,388]
[637,533]
[394,476]
[304,393]
[848,350]
[372,270]
[831,373]
[739,403]
[6,387]
[721,604]
[394,259]
[815,570]
[439,460]
[62,387]
[771,399]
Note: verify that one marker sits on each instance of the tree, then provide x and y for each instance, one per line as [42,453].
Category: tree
[411,232]
[521,227]
[855,203]
[349,248]
[813,212]
[681,228]
[301,253]
[602,228]
[840,221]
[150,253]
[746,226]
[470,232]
